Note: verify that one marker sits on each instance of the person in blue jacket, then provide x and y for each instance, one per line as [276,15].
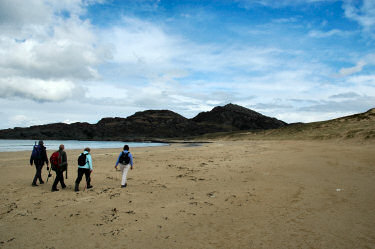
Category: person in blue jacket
[85,170]
[125,159]
[39,157]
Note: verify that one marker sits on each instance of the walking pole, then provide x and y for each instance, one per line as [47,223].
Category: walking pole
[49,173]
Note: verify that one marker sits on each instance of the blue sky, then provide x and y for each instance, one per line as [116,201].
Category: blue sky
[74,60]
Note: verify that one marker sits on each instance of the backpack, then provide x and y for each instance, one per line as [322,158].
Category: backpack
[82,159]
[124,158]
[55,160]
[37,152]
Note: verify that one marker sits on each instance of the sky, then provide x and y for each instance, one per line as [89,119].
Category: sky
[83,60]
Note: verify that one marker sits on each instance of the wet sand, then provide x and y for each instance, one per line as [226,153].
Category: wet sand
[242,194]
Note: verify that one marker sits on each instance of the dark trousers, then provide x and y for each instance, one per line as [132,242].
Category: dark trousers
[87,173]
[38,173]
[59,178]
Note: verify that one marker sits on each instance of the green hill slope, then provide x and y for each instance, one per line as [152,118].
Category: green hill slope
[359,126]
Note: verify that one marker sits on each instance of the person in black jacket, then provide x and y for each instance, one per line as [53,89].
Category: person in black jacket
[38,159]
[63,164]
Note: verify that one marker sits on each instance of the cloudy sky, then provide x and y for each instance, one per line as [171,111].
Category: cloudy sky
[82,60]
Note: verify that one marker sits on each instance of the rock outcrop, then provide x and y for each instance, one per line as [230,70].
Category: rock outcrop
[234,117]
[151,124]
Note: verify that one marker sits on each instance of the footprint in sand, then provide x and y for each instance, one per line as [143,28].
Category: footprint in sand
[114,195]
[10,207]
[23,213]
[113,232]
[9,240]
[111,216]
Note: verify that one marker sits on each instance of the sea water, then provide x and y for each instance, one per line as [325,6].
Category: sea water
[25,145]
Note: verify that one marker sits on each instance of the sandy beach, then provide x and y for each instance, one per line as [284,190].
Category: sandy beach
[224,194]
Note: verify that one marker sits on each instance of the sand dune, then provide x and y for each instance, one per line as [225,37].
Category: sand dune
[226,194]
[358,128]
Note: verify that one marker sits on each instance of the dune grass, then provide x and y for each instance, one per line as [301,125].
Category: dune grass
[355,127]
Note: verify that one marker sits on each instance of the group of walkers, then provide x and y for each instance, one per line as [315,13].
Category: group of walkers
[59,163]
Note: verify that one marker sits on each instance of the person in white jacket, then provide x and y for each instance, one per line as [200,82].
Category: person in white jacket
[125,159]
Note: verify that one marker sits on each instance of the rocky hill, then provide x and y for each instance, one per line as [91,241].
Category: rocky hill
[145,125]
[75,131]
[234,117]
[151,124]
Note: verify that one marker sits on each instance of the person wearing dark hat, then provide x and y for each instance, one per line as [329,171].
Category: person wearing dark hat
[38,157]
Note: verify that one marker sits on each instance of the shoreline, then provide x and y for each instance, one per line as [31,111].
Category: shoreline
[27,145]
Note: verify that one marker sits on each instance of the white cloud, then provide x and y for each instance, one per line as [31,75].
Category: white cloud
[345,95]
[19,12]
[253,74]
[293,116]
[363,80]
[98,90]
[279,3]
[42,50]
[19,120]
[351,105]
[143,48]
[49,53]
[315,109]
[36,89]
[68,121]
[333,32]
[286,20]
[140,42]
[363,13]
[369,59]
[351,70]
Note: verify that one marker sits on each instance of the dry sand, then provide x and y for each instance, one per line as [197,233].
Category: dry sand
[243,194]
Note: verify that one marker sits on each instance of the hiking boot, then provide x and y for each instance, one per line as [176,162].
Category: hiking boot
[90,186]
[76,189]
[63,186]
[54,189]
[34,184]
[124,186]
[41,182]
